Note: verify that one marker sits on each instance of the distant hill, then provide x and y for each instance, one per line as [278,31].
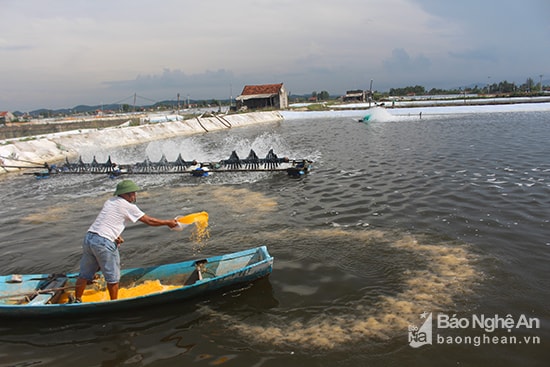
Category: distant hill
[122,107]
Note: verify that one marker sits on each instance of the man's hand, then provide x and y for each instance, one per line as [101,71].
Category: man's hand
[174,223]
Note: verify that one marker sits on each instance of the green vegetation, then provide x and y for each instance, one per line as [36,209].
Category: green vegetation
[503,88]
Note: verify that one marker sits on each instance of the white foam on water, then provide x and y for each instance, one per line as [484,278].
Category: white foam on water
[379,114]
[189,147]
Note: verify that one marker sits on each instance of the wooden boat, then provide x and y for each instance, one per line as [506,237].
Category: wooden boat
[48,294]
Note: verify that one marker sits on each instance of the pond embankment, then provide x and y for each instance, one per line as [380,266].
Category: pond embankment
[56,147]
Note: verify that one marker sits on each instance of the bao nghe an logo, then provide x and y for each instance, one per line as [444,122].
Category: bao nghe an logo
[419,336]
[486,329]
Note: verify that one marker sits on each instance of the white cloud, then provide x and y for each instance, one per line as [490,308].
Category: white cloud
[83,51]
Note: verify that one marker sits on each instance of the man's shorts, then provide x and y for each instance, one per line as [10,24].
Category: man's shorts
[99,253]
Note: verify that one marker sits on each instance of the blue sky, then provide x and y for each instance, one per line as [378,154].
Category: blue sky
[58,54]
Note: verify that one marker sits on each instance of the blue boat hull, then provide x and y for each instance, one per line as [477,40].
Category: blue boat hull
[216,272]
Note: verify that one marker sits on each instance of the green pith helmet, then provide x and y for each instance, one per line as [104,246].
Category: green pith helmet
[125,187]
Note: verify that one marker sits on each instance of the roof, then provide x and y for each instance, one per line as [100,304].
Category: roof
[268,89]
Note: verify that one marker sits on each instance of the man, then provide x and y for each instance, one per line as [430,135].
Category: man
[100,247]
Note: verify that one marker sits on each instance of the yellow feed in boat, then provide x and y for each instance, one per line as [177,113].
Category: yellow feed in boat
[145,288]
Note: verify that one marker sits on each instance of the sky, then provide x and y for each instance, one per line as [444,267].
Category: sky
[64,53]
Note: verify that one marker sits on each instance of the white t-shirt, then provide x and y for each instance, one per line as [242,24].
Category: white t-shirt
[112,219]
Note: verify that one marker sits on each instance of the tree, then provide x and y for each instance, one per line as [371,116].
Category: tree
[323,96]
[505,87]
[416,90]
[528,86]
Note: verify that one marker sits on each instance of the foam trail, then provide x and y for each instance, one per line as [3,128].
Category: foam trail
[379,114]
[448,273]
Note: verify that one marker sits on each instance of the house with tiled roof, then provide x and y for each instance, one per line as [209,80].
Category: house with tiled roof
[254,97]
[6,116]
